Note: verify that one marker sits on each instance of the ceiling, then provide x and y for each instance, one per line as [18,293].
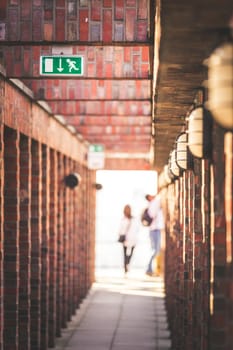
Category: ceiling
[110,103]
[136,88]
[190,31]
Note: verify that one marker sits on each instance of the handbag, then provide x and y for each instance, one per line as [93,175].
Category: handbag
[121,238]
[145,218]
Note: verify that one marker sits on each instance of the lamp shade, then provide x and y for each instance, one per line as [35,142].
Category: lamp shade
[182,151]
[195,132]
[164,179]
[173,167]
[220,85]
[72,180]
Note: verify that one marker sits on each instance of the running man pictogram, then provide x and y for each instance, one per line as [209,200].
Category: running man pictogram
[72,65]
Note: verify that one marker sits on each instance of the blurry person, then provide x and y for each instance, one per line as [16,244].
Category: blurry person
[155,227]
[128,235]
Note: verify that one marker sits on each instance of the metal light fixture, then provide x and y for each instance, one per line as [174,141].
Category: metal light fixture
[72,180]
[199,132]
[173,167]
[195,132]
[164,179]
[182,151]
[220,85]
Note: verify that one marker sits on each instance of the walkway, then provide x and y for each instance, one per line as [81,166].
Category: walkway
[120,314]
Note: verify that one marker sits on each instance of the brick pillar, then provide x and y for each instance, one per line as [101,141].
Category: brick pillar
[69,243]
[92,196]
[36,245]
[52,247]
[65,250]
[45,248]
[76,225]
[201,254]
[72,235]
[25,243]
[218,301]
[228,146]
[83,233]
[1,229]
[11,238]
[60,248]
[188,260]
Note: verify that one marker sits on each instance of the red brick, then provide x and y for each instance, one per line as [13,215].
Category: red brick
[96,10]
[3,9]
[95,32]
[130,2]
[118,32]
[127,54]
[91,69]
[48,31]
[13,25]
[107,25]
[107,3]
[119,9]
[142,31]
[83,25]
[37,25]
[108,70]
[60,24]
[143,9]
[130,24]
[25,10]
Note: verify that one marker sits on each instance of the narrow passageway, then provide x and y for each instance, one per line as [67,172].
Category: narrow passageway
[120,313]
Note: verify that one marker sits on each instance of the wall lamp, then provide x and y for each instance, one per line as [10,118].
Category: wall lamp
[220,85]
[172,165]
[98,186]
[183,155]
[72,180]
[199,132]
[164,179]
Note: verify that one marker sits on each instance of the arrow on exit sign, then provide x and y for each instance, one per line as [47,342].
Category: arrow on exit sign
[61,65]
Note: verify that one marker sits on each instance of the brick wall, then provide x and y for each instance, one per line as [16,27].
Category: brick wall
[47,229]
[71,20]
[199,240]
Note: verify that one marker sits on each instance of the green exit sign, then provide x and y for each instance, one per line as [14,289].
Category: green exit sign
[61,65]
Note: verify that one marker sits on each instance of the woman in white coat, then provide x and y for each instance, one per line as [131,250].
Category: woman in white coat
[128,229]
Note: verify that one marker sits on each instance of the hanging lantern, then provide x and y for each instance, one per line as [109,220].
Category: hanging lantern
[199,133]
[195,132]
[173,167]
[220,85]
[182,151]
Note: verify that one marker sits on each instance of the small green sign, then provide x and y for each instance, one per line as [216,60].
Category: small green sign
[61,65]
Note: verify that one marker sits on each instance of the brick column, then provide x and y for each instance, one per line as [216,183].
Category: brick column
[25,243]
[36,245]
[218,300]
[228,146]
[68,204]
[11,238]
[1,230]
[45,248]
[60,248]
[73,193]
[65,250]
[83,233]
[70,245]
[52,247]
[76,225]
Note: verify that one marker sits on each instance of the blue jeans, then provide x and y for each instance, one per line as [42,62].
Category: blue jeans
[155,239]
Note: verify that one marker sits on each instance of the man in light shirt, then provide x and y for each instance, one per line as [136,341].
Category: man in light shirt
[157,224]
